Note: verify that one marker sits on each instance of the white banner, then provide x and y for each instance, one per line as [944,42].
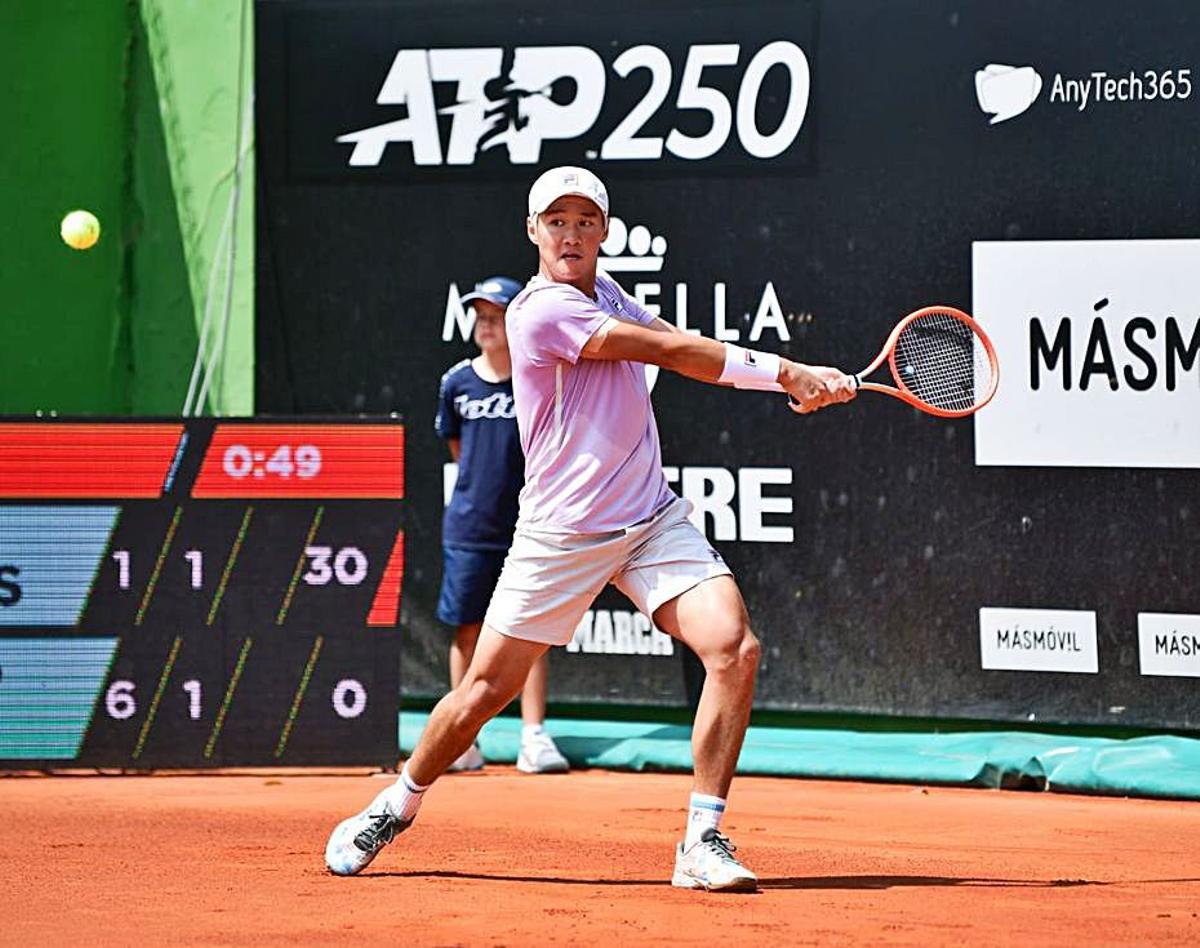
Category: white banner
[1099,350]
[1052,640]
[1169,644]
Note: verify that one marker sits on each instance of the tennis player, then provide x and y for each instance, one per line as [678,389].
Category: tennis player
[477,419]
[595,509]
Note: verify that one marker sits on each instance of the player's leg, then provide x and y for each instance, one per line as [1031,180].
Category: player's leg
[674,576]
[461,651]
[545,588]
[539,754]
[497,672]
[533,695]
[710,618]
[468,578]
[495,675]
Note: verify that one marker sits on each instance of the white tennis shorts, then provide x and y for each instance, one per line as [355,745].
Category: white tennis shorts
[550,580]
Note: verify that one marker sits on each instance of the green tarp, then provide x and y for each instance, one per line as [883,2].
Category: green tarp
[1160,766]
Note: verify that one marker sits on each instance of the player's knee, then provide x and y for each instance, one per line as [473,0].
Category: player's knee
[735,649]
[750,649]
[480,700]
[749,652]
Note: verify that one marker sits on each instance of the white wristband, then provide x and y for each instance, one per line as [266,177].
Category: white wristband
[748,368]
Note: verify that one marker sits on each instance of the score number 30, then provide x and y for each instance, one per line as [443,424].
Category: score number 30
[239,461]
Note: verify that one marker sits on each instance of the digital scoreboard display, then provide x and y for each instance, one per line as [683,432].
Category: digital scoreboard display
[200,593]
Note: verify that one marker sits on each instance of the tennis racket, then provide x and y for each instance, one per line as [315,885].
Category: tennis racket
[941,361]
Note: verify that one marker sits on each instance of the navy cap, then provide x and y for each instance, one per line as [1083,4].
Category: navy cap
[500,290]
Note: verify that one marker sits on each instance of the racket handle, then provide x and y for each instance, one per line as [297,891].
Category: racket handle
[858,384]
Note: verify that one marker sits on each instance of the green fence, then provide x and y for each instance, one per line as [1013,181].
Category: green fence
[137,112]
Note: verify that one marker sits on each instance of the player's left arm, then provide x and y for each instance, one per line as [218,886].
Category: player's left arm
[707,360]
[658,324]
[661,325]
[658,343]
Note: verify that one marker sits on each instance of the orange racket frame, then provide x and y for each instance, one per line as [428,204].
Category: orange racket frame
[902,392]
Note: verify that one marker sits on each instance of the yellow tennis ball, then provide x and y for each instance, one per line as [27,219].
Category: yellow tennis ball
[80,230]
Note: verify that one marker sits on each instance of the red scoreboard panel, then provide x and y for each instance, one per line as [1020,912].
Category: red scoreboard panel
[177,594]
[330,461]
[86,460]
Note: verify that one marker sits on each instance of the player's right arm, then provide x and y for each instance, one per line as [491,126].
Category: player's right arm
[667,346]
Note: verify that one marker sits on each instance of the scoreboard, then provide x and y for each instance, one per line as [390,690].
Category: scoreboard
[200,592]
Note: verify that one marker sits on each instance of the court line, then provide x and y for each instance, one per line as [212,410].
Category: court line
[295,709]
[233,555]
[291,590]
[158,693]
[158,565]
[227,700]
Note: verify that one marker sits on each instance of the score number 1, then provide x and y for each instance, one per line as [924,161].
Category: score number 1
[194,557]
[240,462]
[121,705]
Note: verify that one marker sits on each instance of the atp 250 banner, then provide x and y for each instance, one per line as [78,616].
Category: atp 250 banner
[398,93]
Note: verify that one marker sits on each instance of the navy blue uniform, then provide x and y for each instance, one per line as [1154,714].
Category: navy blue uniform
[477,527]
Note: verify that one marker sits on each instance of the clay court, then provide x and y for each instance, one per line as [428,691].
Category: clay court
[499,858]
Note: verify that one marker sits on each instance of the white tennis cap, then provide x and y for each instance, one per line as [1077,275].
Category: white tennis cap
[564,180]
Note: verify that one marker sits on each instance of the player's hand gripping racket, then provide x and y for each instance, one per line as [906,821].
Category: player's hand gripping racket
[941,361]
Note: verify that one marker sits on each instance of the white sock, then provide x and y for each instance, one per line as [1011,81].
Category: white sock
[704,812]
[403,798]
[532,730]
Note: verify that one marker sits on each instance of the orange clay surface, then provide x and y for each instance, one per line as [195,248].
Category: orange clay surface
[500,858]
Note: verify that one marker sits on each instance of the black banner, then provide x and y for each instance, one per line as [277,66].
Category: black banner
[407,94]
[891,562]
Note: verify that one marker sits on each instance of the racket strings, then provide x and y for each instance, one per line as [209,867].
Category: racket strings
[941,361]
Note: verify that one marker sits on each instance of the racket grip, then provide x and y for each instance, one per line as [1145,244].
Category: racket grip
[857,382]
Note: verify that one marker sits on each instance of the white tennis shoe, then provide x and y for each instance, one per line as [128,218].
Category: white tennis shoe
[358,840]
[540,755]
[470,759]
[710,864]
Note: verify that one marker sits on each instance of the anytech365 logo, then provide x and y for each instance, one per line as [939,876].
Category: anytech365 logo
[517,98]
[1004,92]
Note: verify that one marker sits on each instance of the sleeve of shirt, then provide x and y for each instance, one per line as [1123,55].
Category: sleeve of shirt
[447,424]
[555,324]
[631,308]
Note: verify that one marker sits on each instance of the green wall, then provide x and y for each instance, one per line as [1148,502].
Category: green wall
[202,52]
[120,108]
[163,331]
[66,341]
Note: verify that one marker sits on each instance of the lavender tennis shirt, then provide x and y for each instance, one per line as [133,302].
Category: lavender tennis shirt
[592,458]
